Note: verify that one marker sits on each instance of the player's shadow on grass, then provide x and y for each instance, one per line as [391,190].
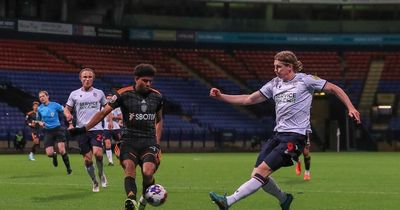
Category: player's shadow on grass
[67,196]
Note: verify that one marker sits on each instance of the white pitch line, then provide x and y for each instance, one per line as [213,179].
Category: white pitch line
[209,189]
[41,183]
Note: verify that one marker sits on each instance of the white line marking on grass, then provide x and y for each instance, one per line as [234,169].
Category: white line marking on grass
[205,189]
[348,192]
[41,183]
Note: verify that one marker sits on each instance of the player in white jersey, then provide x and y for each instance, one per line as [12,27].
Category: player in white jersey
[307,160]
[85,102]
[292,93]
[112,130]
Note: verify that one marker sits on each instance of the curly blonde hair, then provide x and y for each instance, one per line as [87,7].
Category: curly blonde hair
[288,57]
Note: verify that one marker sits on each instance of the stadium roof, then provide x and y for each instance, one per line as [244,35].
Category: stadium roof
[311,1]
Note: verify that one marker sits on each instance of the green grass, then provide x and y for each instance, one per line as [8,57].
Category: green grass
[353,181]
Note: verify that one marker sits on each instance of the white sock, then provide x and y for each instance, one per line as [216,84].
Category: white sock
[109,155]
[246,189]
[272,188]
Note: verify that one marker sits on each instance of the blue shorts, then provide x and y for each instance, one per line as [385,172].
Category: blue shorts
[89,140]
[281,149]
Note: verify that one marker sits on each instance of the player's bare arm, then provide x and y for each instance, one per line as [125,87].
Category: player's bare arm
[67,113]
[242,100]
[159,126]
[334,89]
[99,116]
[68,116]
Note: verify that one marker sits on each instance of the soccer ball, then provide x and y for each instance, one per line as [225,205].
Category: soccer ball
[155,195]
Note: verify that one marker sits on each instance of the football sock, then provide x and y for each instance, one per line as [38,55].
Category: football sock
[109,155]
[147,184]
[272,188]
[34,148]
[307,162]
[66,160]
[130,187]
[248,188]
[99,163]
[90,170]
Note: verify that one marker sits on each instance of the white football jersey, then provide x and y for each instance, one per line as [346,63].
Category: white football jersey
[293,101]
[86,104]
[114,113]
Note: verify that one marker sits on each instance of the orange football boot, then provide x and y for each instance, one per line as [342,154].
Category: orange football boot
[298,168]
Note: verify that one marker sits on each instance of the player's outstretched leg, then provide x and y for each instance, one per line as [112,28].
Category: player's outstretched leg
[131,190]
[55,161]
[109,156]
[67,164]
[286,205]
[220,200]
[272,188]
[102,175]
[307,164]
[90,170]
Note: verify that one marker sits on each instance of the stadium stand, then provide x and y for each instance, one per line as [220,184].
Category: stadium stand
[35,65]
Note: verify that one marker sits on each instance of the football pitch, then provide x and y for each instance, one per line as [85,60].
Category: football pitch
[353,181]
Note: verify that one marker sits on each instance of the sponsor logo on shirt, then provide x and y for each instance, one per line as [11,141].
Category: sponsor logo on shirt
[143,106]
[136,116]
[285,98]
[89,105]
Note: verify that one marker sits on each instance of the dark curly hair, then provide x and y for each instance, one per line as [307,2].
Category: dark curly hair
[144,70]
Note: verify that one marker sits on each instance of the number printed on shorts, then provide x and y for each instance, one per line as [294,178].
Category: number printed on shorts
[99,137]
